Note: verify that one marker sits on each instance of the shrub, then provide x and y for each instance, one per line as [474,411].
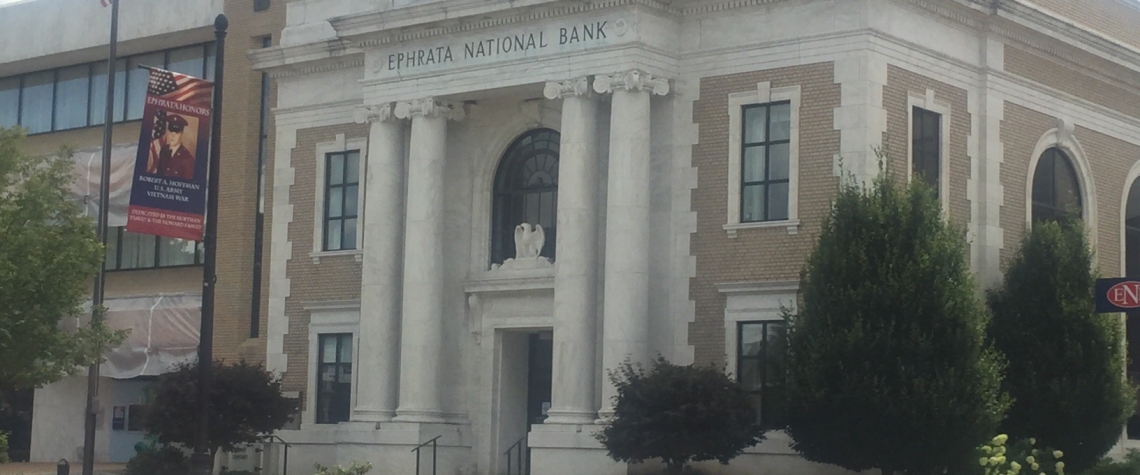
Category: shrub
[357,468]
[998,458]
[4,447]
[165,459]
[1129,466]
[678,414]
[1066,362]
[887,362]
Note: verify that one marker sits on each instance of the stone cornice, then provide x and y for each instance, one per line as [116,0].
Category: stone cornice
[376,113]
[632,80]
[573,87]
[429,107]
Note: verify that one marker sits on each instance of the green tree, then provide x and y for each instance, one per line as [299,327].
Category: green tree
[1066,362]
[887,365]
[48,254]
[245,404]
[678,414]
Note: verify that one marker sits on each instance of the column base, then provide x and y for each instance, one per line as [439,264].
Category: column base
[373,415]
[564,449]
[570,416]
[419,416]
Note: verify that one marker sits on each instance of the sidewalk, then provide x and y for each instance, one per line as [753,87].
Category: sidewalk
[49,468]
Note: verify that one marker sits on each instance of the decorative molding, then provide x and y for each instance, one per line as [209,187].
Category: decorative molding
[327,305]
[373,113]
[632,80]
[475,317]
[560,89]
[759,287]
[1062,137]
[429,107]
[284,71]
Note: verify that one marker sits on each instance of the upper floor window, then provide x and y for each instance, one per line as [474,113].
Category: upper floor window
[342,185]
[334,373]
[926,145]
[758,368]
[1056,190]
[260,5]
[526,191]
[765,152]
[127,250]
[75,96]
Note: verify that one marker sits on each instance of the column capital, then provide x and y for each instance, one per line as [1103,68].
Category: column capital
[373,113]
[579,86]
[632,80]
[429,107]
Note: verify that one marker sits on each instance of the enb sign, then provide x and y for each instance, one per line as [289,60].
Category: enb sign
[1117,295]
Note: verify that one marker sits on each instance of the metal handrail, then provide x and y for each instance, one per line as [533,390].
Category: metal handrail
[433,456]
[284,463]
[519,454]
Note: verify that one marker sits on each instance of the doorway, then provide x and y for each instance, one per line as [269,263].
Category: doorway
[525,380]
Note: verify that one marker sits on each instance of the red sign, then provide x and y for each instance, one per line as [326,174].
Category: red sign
[1125,294]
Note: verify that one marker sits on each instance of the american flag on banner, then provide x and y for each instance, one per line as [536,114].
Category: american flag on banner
[180,87]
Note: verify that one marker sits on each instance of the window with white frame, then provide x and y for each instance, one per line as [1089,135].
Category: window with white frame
[338,199]
[759,368]
[929,151]
[334,373]
[763,161]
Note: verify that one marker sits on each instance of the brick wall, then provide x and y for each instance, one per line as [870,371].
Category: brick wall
[1072,80]
[755,254]
[900,84]
[238,193]
[335,277]
[1116,19]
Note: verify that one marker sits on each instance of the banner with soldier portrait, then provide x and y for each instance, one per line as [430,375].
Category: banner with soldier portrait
[168,193]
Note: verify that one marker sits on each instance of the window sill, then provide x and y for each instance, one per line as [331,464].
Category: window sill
[316,256]
[793,226]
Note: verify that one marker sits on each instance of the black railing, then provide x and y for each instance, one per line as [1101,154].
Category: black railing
[284,463]
[433,457]
[518,449]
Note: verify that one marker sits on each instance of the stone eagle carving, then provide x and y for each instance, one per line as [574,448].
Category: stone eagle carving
[529,240]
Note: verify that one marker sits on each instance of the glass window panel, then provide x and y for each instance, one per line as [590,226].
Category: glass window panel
[778,201]
[344,375]
[749,374]
[774,334]
[187,61]
[36,107]
[778,161]
[9,101]
[136,82]
[351,200]
[349,234]
[211,53]
[754,124]
[336,169]
[931,124]
[175,252]
[137,251]
[781,122]
[752,208]
[1067,200]
[345,349]
[1043,180]
[336,202]
[751,339]
[531,202]
[352,168]
[71,90]
[328,348]
[99,91]
[332,239]
[754,163]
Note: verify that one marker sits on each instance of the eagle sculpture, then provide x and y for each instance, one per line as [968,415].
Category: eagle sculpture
[529,241]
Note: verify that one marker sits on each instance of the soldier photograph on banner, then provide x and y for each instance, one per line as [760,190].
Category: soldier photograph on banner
[168,196]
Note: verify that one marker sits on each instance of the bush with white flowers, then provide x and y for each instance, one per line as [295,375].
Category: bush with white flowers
[1021,457]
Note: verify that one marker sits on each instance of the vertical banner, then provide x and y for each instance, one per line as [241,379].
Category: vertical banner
[168,193]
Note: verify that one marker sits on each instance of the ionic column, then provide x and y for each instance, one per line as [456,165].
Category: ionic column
[575,285]
[381,277]
[626,304]
[421,332]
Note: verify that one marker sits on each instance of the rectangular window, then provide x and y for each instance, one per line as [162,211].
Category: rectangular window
[127,250]
[136,417]
[9,101]
[758,368]
[926,145]
[72,90]
[342,182]
[765,155]
[99,91]
[334,370]
[137,79]
[190,61]
[35,102]
[260,5]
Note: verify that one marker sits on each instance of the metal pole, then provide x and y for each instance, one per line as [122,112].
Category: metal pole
[101,230]
[202,461]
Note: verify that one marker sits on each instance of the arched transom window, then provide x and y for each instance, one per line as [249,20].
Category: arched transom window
[526,191]
[1056,191]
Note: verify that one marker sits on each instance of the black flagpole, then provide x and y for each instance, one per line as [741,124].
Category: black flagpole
[202,461]
[101,230]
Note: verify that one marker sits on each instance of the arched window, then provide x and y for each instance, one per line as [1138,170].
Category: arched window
[1056,191]
[1132,269]
[526,191]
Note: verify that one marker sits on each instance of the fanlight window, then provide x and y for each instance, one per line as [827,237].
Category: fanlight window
[1056,191]
[526,191]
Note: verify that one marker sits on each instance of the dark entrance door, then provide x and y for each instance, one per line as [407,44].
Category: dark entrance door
[539,377]
[16,420]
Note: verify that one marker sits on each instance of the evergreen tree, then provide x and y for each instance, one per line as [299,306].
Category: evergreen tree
[1066,362]
[887,362]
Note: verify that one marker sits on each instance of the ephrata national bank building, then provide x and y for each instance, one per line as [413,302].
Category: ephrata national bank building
[479,207]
